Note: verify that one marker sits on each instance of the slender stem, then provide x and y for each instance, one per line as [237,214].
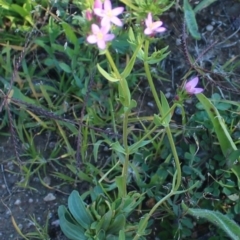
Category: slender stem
[175,155]
[150,80]
[125,127]
[125,144]
[152,211]
[168,130]
[173,192]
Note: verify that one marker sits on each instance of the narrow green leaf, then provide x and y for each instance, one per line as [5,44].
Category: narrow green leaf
[119,181]
[105,221]
[130,64]
[17,94]
[236,170]
[134,147]
[231,228]
[96,148]
[117,147]
[23,12]
[80,174]
[65,67]
[124,94]
[142,225]
[118,224]
[224,138]
[203,4]
[158,56]
[70,33]
[78,209]
[166,118]
[106,74]
[190,19]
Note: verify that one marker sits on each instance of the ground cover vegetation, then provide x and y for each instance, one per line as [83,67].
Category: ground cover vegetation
[90,79]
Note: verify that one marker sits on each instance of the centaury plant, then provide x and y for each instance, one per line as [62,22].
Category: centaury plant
[91,221]
[154,165]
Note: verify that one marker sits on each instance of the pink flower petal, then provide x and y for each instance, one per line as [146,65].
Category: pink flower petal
[192,83]
[92,39]
[116,21]
[107,5]
[148,31]
[105,28]
[98,12]
[109,37]
[95,28]
[101,44]
[149,18]
[161,29]
[98,4]
[156,25]
[117,11]
[198,90]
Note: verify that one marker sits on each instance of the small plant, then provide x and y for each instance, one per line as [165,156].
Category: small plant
[77,82]
[102,219]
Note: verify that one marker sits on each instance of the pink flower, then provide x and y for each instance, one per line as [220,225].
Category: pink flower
[98,4]
[153,27]
[108,14]
[190,86]
[100,36]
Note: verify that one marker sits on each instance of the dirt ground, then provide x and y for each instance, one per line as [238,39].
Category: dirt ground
[215,24]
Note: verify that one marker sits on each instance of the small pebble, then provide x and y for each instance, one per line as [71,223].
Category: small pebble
[47,180]
[30,200]
[49,197]
[106,149]
[178,111]
[189,101]
[56,223]
[172,15]
[150,104]
[168,95]
[209,28]
[17,202]
[20,226]
[178,41]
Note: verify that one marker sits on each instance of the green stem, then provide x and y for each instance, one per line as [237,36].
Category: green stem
[125,144]
[137,236]
[168,130]
[156,206]
[125,127]
[170,138]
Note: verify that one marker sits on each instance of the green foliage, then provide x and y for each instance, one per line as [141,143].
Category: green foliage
[221,221]
[102,219]
[139,152]
[190,19]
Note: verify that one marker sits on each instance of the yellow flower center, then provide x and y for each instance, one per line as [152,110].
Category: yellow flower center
[100,35]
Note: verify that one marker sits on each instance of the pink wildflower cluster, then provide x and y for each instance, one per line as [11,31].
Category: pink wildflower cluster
[100,34]
[153,27]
